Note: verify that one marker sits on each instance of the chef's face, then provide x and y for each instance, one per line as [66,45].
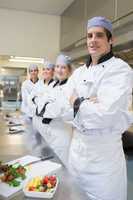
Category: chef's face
[62,72]
[33,73]
[98,43]
[47,73]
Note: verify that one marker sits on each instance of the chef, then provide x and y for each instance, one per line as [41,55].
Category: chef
[100,97]
[26,89]
[35,102]
[55,131]
[42,87]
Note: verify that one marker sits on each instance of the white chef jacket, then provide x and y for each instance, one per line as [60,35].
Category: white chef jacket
[96,156]
[26,90]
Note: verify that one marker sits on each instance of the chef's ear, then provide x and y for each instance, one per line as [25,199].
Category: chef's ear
[111,40]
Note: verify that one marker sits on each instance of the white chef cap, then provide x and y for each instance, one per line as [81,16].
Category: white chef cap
[63,60]
[101,22]
[47,64]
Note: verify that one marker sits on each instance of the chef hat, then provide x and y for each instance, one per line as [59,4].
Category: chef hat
[47,64]
[63,60]
[33,66]
[100,21]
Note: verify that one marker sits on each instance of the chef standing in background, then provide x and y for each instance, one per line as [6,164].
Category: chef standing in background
[52,126]
[26,89]
[36,102]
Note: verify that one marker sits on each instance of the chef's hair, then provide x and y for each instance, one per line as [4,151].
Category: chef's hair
[109,36]
[69,67]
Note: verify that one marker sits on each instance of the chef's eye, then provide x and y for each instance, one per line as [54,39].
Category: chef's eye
[89,35]
[100,35]
[64,67]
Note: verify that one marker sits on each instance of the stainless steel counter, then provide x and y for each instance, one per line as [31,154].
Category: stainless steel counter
[12,147]
[67,188]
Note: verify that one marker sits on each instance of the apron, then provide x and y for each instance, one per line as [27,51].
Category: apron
[97,162]
[57,135]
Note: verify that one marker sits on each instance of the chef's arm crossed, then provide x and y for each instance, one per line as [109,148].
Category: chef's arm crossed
[97,112]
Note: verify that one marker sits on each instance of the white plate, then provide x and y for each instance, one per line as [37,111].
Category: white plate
[47,195]
[7,191]
[36,169]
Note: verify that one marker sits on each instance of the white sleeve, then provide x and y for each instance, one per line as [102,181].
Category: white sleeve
[25,94]
[67,113]
[71,84]
[59,107]
[30,102]
[113,96]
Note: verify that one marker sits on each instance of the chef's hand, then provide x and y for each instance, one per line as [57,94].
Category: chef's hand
[75,96]
[72,99]
[93,99]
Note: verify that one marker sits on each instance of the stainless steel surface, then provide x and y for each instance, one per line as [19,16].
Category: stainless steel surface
[12,147]
[67,189]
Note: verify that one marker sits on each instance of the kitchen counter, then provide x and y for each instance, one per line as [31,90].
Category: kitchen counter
[67,188]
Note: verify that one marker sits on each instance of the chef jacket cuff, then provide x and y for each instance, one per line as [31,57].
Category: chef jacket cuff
[46,120]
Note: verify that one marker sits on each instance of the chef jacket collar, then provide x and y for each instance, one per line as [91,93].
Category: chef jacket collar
[102,59]
[49,81]
[60,82]
[35,81]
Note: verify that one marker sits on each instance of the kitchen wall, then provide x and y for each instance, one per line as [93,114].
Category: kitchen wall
[29,34]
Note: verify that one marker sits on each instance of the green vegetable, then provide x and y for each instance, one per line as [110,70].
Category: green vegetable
[23,176]
[16,165]
[14,183]
[14,175]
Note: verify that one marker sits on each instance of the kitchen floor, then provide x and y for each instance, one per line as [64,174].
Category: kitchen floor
[12,146]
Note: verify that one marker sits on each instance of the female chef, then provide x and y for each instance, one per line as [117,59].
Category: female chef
[55,131]
[35,99]
[26,89]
